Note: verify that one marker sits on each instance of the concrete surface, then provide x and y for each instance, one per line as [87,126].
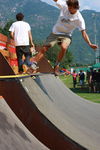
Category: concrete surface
[77,118]
[50,111]
[82,116]
[13,134]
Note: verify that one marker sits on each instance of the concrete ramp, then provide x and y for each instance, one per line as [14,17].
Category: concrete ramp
[22,96]
[52,113]
[13,134]
[80,119]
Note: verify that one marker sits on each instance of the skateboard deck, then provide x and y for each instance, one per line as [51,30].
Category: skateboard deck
[22,76]
[14,77]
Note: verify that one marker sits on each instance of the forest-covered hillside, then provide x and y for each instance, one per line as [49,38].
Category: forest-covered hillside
[42,17]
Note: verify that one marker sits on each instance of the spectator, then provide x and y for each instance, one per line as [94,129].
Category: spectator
[21,33]
[81,78]
[97,81]
[74,75]
[92,79]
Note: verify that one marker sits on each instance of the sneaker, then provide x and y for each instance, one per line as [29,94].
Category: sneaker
[34,66]
[33,51]
[30,70]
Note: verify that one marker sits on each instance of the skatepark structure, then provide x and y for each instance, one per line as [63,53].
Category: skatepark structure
[43,113]
[13,134]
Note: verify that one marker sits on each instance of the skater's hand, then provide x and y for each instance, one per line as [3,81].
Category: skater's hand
[86,38]
[32,49]
[94,46]
[55,0]
[32,45]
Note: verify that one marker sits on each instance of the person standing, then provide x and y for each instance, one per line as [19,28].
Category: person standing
[81,78]
[74,75]
[20,31]
[70,18]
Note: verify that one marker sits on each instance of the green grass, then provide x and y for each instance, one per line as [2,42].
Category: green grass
[82,92]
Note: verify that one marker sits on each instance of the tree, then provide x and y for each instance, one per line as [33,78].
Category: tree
[52,54]
[0,30]
[5,30]
[68,59]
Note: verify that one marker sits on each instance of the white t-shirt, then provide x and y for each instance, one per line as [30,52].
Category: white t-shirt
[21,36]
[68,22]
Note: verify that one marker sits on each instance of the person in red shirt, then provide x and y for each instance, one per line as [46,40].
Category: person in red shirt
[74,75]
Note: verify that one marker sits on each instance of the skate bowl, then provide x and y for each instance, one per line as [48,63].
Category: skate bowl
[46,112]
[13,134]
[51,112]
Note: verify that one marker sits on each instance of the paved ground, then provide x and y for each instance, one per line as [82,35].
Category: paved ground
[13,134]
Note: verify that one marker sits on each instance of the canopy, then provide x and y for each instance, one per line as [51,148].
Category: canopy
[97,65]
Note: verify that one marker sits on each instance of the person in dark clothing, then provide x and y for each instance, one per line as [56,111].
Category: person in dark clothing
[20,31]
[81,78]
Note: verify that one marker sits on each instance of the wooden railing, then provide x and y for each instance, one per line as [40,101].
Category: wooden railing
[7,48]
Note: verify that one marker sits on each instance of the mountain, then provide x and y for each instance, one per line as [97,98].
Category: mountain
[42,17]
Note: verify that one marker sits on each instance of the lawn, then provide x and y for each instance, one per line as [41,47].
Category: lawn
[83,92]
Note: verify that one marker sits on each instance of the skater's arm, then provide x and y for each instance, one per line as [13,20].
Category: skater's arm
[60,3]
[86,38]
[31,39]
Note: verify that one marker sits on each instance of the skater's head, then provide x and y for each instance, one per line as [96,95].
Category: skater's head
[73,6]
[19,17]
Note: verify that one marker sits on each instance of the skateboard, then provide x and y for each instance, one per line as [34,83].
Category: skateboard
[22,76]
[15,77]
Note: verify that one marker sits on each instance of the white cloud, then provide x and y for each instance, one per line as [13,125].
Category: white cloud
[51,2]
[86,7]
[87,4]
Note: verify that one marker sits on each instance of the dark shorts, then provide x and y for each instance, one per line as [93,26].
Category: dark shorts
[74,82]
[24,49]
[20,51]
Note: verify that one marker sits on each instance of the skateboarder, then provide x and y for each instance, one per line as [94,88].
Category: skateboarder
[21,33]
[70,18]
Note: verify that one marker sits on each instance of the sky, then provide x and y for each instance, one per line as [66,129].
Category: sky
[84,4]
